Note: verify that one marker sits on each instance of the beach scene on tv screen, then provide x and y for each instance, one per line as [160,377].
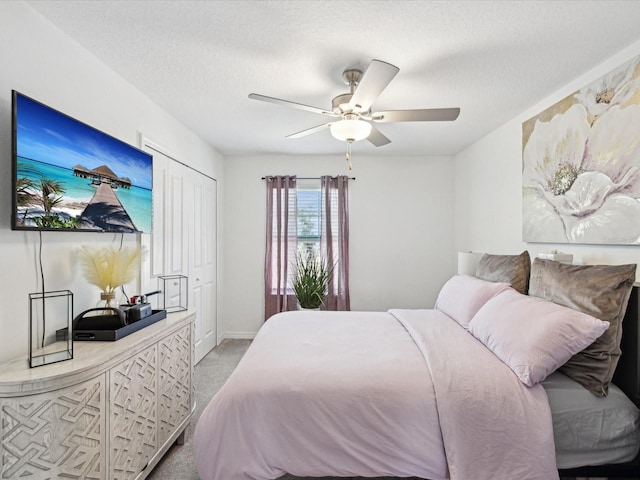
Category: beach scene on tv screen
[72,176]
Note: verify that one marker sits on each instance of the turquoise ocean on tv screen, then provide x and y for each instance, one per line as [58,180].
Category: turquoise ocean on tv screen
[136,201]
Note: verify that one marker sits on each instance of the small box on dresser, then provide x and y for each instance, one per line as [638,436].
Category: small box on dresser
[173,293]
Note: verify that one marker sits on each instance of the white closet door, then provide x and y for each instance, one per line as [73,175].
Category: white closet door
[202,259]
[177,216]
[184,240]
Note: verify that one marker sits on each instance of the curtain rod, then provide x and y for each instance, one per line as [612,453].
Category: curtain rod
[312,178]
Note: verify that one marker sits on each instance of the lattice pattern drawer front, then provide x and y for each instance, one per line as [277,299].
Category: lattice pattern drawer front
[193,366]
[133,414]
[59,434]
[175,382]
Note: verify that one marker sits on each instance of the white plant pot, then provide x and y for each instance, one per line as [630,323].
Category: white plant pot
[308,309]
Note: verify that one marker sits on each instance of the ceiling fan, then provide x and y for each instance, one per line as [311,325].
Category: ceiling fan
[353,110]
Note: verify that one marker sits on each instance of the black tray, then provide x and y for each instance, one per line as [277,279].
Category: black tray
[117,334]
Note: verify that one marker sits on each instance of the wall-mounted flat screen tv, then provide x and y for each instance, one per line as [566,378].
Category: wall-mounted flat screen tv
[70,176]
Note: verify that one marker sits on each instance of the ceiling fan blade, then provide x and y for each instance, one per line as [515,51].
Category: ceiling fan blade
[377,138]
[287,103]
[309,131]
[374,80]
[423,115]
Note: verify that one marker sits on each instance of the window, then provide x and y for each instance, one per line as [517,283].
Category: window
[306,205]
[308,216]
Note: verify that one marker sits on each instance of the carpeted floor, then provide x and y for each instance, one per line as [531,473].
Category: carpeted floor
[210,374]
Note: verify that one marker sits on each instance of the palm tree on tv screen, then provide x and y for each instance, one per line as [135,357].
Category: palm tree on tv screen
[45,193]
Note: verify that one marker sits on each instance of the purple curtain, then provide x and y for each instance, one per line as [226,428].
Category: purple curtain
[281,244]
[335,239]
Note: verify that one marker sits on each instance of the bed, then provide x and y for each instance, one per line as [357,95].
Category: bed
[452,392]
[625,390]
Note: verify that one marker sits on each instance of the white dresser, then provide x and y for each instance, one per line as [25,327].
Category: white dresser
[109,413]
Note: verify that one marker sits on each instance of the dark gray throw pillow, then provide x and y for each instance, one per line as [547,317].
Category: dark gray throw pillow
[511,269]
[599,290]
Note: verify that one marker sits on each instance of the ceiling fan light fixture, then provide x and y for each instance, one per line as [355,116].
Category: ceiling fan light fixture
[352,110]
[350,130]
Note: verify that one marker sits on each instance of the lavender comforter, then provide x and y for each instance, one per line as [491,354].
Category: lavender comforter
[399,393]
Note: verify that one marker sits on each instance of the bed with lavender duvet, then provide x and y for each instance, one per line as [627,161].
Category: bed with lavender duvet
[453,392]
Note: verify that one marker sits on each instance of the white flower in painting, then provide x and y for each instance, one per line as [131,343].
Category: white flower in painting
[581,184]
[613,89]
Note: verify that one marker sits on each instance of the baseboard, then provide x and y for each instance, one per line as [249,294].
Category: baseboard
[237,336]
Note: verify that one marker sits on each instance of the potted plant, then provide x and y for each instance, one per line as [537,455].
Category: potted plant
[311,279]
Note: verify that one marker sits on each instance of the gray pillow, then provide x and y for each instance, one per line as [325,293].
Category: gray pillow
[599,290]
[511,269]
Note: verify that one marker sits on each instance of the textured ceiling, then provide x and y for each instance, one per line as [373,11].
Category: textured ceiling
[199,60]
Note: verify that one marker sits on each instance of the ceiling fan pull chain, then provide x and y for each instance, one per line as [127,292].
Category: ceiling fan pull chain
[348,155]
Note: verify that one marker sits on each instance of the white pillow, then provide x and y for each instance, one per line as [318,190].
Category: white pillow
[462,296]
[531,335]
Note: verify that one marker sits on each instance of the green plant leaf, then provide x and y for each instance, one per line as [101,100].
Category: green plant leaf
[310,280]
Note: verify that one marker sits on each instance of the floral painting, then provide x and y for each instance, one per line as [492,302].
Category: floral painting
[581,165]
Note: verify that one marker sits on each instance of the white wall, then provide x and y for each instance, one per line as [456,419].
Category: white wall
[488,187]
[401,208]
[401,231]
[44,63]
